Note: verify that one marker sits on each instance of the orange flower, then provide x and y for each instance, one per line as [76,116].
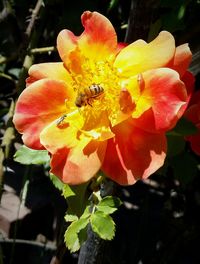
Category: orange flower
[193,114]
[106,105]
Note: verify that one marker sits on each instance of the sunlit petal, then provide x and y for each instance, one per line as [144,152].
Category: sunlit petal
[133,154]
[140,56]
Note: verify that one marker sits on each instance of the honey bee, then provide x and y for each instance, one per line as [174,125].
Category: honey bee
[88,95]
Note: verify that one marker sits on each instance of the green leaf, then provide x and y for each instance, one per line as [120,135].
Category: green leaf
[15,72]
[56,182]
[76,234]
[103,225]
[87,212]
[70,218]
[184,127]
[112,4]
[77,198]
[29,156]
[68,191]
[109,204]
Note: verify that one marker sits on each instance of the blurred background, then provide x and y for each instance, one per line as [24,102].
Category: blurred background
[159,221]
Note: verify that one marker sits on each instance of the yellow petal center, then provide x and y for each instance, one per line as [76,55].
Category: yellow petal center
[98,88]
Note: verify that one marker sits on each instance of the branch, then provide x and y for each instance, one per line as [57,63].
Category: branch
[94,250]
[140,18]
[9,134]
[43,50]
[34,15]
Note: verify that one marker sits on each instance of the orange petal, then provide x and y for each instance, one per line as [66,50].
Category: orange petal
[66,42]
[97,42]
[76,157]
[78,165]
[161,102]
[38,105]
[133,154]
[140,56]
[54,70]
[182,59]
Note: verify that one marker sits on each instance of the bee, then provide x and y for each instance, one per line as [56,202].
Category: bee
[88,95]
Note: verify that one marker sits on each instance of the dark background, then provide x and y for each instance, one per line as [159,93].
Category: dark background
[159,221]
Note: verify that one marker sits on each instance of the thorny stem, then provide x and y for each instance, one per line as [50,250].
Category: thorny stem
[93,250]
[34,15]
[28,60]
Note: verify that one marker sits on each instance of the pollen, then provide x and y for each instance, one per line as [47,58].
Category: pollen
[98,89]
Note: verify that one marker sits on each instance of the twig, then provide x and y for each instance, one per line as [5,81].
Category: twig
[27,62]
[6,12]
[140,18]
[93,251]
[34,15]
[43,50]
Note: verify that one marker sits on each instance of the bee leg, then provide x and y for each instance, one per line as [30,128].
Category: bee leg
[89,102]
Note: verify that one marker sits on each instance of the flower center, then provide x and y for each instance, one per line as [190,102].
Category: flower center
[98,89]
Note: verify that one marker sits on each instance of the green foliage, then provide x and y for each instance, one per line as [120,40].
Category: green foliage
[76,234]
[108,205]
[97,215]
[77,199]
[56,182]
[112,4]
[15,72]
[27,156]
[103,225]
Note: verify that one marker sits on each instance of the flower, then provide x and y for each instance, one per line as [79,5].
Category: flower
[193,114]
[107,105]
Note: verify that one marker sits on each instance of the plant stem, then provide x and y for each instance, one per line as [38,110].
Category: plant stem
[140,19]
[43,50]
[93,250]
[30,41]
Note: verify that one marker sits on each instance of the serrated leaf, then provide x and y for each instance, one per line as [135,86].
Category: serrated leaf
[27,156]
[103,225]
[70,218]
[77,198]
[68,191]
[56,182]
[109,204]
[106,209]
[86,213]
[75,234]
